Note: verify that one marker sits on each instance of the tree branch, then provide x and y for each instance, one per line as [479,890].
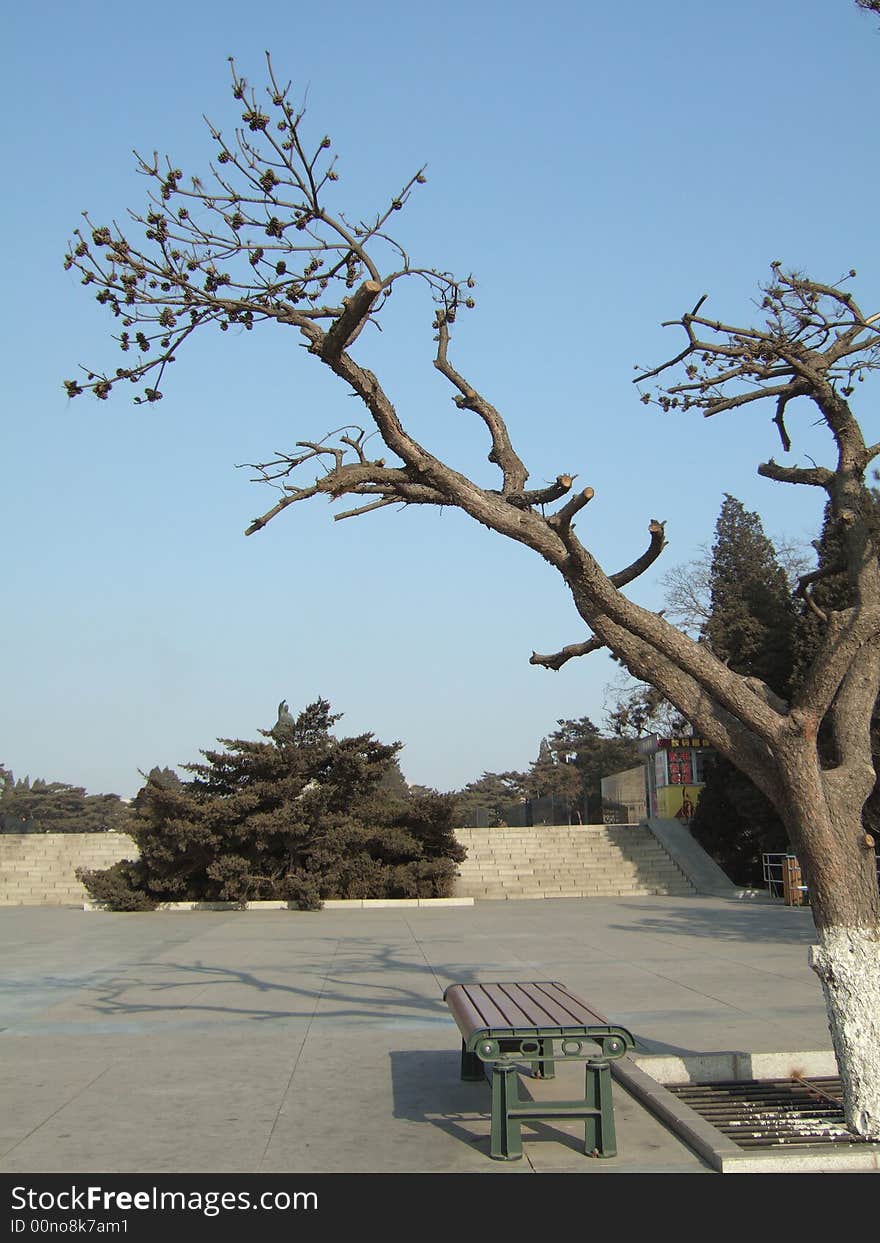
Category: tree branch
[561,520]
[558,659]
[817,477]
[366,509]
[848,630]
[806,582]
[812,340]
[541,496]
[357,478]
[656,546]
[502,453]
[349,324]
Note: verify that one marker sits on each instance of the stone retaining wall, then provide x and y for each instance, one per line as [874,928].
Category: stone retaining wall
[39,869]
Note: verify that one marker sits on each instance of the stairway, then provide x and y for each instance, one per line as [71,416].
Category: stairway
[562,861]
[38,869]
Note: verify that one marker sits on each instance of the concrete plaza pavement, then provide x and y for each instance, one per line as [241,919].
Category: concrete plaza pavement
[318,1042]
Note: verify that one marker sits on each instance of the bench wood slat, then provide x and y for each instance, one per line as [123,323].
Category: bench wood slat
[500,1007]
[464,1010]
[535,1005]
[502,1004]
[562,1007]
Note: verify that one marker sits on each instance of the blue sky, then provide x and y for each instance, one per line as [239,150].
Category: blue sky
[596,167]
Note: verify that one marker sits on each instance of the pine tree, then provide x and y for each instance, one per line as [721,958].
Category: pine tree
[553,785]
[571,764]
[298,816]
[751,627]
[489,801]
[752,615]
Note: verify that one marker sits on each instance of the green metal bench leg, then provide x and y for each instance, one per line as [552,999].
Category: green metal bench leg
[472,1068]
[546,1067]
[506,1144]
[599,1133]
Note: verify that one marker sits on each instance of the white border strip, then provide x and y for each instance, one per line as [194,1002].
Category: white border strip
[331,904]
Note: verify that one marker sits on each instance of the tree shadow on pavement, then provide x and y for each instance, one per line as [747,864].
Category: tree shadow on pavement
[732,921]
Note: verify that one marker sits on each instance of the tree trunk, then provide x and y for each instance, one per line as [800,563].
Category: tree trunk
[847,961]
[839,867]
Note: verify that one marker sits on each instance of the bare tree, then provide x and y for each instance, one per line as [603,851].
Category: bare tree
[259,242]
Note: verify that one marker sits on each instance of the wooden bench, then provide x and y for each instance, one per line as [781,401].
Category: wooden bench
[507,1024]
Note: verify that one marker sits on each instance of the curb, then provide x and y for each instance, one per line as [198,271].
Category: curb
[331,904]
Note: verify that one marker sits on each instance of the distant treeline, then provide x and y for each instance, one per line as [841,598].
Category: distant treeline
[57,807]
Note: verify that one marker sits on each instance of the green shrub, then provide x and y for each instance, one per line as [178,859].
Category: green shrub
[121,886]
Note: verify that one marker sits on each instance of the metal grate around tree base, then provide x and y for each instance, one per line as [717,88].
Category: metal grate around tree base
[771,1113]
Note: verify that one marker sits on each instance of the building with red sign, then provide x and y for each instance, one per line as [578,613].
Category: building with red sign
[667,784]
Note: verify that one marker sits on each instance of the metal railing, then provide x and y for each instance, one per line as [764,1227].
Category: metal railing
[774,869]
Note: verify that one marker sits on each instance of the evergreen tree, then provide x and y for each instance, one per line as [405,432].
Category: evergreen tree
[751,621]
[488,801]
[736,824]
[571,764]
[298,816]
[163,776]
[553,785]
[57,807]
[751,627]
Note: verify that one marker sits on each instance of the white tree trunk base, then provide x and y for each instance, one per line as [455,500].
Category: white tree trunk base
[847,961]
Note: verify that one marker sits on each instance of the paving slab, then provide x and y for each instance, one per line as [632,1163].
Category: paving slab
[279,1041]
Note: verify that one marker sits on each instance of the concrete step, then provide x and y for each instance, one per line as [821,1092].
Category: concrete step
[571,862]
